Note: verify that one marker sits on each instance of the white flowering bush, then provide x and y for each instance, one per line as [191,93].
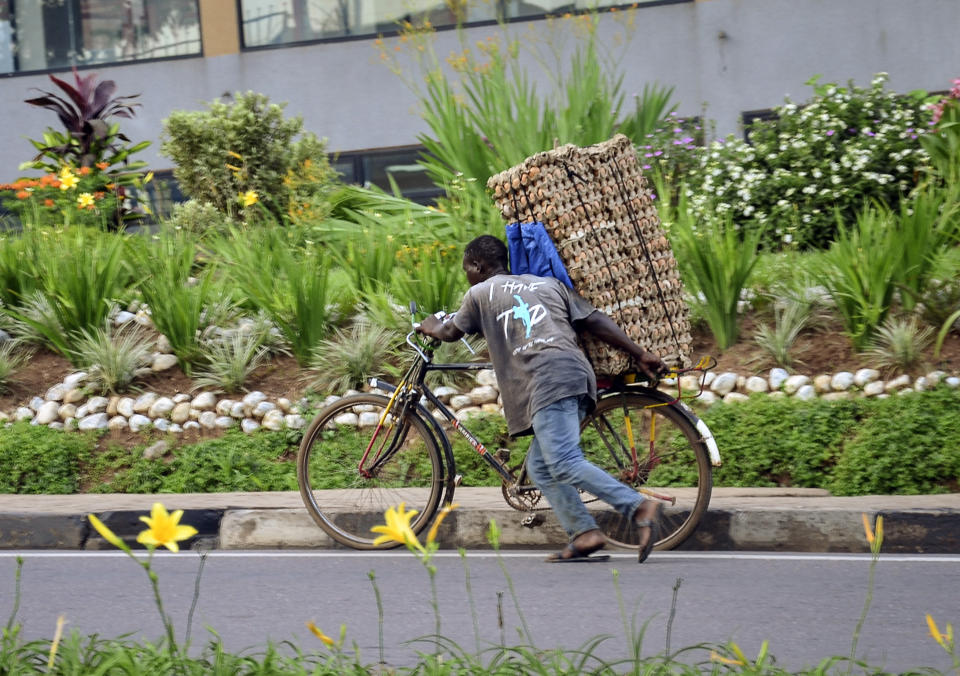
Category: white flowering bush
[842,148]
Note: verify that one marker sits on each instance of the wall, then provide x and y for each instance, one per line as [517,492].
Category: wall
[733,55]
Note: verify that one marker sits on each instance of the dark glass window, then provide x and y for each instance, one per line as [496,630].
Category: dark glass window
[379,167]
[55,34]
[277,22]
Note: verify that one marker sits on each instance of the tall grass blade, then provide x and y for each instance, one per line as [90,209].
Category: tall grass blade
[717,259]
[861,271]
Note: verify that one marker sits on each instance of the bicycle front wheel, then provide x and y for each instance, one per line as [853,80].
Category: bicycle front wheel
[656,450]
[353,464]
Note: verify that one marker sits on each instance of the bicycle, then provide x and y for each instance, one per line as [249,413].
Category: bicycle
[372,451]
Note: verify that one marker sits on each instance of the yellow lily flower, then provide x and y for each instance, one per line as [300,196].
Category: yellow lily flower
[432,534]
[397,527]
[943,639]
[68,179]
[874,534]
[867,529]
[250,198]
[164,529]
[717,657]
[105,532]
[315,630]
[85,199]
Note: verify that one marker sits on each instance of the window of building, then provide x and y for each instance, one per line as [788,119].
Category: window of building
[381,167]
[277,22]
[38,35]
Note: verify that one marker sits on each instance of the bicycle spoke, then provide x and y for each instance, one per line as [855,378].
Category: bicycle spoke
[354,463]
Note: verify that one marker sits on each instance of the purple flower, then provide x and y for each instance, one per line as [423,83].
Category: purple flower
[851,130]
[658,153]
[645,166]
[913,136]
[648,154]
[678,130]
[830,132]
[869,133]
[678,143]
[691,147]
[653,195]
[686,139]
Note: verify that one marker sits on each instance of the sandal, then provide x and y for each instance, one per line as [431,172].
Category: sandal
[653,527]
[571,553]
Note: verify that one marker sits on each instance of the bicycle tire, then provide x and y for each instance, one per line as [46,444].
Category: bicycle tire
[675,465]
[340,499]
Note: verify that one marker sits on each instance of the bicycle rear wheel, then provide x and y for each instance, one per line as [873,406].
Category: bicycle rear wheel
[672,464]
[351,469]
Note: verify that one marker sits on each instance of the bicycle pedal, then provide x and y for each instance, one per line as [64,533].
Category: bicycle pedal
[532,520]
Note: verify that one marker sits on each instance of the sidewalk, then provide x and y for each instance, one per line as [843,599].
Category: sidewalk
[743,519]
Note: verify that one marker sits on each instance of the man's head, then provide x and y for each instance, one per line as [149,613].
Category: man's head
[483,258]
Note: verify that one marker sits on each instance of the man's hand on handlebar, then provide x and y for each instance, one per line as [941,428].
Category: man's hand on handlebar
[434,326]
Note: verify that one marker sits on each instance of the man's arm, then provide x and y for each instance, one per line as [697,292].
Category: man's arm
[604,328]
[445,331]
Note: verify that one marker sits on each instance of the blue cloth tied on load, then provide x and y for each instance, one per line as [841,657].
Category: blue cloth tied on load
[532,252]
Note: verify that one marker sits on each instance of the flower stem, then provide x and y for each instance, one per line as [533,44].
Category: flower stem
[376,593]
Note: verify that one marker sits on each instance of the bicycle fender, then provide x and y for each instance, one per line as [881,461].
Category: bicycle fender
[448,462]
[439,437]
[705,434]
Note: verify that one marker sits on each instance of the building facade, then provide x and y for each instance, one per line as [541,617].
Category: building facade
[724,58]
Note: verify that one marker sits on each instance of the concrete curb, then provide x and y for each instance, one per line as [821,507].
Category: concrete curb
[738,519]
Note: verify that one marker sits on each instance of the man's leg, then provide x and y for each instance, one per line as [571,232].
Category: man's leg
[563,498]
[557,431]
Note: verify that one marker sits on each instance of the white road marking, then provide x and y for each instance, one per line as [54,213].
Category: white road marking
[190,555]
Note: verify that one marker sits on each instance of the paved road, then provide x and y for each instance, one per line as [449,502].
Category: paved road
[807,605]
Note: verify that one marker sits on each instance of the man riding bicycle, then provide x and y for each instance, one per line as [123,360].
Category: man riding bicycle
[547,385]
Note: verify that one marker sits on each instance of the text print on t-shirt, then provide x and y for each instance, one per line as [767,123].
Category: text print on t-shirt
[528,315]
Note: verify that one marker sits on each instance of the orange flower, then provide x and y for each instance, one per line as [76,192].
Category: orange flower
[83,171]
[102,166]
[48,202]
[99,195]
[49,179]
[22,194]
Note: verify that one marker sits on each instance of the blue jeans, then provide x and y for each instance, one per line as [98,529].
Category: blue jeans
[557,467]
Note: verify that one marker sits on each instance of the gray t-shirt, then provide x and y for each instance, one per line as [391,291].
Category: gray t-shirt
[528,324]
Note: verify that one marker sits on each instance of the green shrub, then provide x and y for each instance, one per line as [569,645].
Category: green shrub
[770,442]
[82,274]
[234,462]
[38,460]
[841,147]
[906,445]
[112,359]
[12,359]
[244,145]
[230,361]
[89,174]
[352,356]
[861,271]
[289,283]
[176,303]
